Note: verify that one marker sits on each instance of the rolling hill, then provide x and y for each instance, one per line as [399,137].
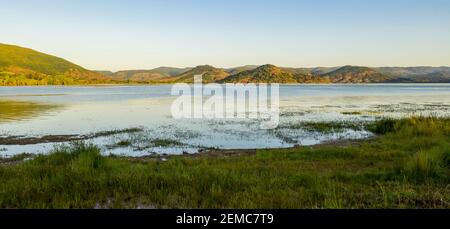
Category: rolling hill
[210,74]
[161,74]
[23,66]
[273,74]
[264,74]
[240,69]
[355,74]
[323,70]
[422,74]
[434,77]
[411,71]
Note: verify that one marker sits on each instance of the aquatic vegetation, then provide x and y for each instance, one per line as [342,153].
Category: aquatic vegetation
[351,112]
[407,167]
[332,126]
[115,132]
[292,114]
[22,140]
[325,127]
[124,143]
[159,142]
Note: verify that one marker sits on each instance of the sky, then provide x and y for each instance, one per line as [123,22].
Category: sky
[120,35]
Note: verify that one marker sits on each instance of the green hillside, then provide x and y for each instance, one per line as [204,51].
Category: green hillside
[273,74]
[263,74]
[210,74]
[23,66]
[26,67]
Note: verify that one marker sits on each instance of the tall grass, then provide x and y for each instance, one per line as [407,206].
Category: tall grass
[423,165]
[407,167]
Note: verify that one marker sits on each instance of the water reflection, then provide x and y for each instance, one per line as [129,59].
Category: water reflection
[11,110]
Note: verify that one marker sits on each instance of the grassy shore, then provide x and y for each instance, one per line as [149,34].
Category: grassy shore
[407,166]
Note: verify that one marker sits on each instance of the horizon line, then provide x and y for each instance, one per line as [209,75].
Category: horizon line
[259,65]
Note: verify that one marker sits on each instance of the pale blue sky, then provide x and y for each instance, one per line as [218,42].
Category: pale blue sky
[134,34]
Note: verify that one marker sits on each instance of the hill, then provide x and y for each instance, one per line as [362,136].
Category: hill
[161,74]
[411,71]
[323,70]
[240,69]
[138,76]
[170,71]
[210,74]
[422,74]
[23,66]
[264,74]
[105,72]
[302,71]
[355,74]
[273,74]
[433,77]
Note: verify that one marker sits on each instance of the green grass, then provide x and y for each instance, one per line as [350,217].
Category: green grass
[25,67]
[16,158]
[383,126]
[39,62]
[407,167]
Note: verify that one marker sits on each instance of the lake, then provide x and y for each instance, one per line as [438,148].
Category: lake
[137,121]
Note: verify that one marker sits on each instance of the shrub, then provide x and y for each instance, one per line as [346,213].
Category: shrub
[424,165]
[383,126]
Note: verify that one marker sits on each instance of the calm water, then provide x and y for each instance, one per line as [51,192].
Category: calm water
[87,110]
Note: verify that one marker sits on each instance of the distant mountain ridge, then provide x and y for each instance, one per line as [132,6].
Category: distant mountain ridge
[273,74]
[355,74]
[417,74]
[148,76]
[210,74]
[23,66]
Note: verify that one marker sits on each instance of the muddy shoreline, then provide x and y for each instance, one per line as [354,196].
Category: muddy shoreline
[24,140]
[203,153]
[216,153]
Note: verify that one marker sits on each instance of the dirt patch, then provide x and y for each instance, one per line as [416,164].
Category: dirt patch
[223,153]
[210,153]
[21,140]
